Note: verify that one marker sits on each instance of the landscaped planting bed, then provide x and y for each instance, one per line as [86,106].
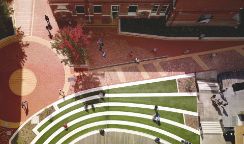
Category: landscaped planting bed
[185,103]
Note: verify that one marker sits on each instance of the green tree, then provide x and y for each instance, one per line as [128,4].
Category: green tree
[5,19]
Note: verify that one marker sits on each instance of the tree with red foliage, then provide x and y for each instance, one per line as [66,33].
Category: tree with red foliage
[71,43]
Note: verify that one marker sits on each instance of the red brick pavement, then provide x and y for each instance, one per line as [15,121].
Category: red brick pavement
[151,70]
[180,66]
[47,69]
[118,47]
[39,25]
[224,61]
[132,73]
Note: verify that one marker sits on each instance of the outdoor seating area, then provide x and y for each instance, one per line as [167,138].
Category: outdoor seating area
[155,109]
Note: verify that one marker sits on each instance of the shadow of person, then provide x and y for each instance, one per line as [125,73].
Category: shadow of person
[27,110]
[215,105]
[223,97]
[93,108]
[224,111]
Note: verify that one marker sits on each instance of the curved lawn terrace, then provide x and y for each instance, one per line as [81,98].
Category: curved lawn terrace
[128,109]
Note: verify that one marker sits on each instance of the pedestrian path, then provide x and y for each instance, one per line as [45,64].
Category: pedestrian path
[208,86]
[178,65]
[108,130]
[23,14]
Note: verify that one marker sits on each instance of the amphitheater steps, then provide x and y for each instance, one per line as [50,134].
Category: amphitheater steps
[211,127]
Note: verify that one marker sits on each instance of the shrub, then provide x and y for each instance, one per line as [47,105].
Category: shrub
[71,43]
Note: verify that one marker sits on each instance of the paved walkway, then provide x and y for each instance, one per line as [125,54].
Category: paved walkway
[224,59]
[123,131]
[37,56]
[23,14]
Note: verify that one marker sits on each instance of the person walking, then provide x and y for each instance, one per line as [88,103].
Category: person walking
[47,18]
[24,106]
[104,54]
[157,140]
[61,93]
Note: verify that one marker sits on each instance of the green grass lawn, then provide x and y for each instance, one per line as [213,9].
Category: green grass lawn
[164,114]
[194,138]
[185,103]
[157,87]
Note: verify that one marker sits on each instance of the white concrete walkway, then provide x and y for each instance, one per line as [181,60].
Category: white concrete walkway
[133,105]
[108,123]
[118,113]
[107,130]
[151,94]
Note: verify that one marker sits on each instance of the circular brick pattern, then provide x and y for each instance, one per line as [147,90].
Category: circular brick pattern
[22,82]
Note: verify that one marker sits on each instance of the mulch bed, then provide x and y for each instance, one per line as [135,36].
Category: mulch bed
[26,135]
[187,85]
[192,121]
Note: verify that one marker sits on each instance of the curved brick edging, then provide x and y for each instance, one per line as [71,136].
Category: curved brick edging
[8,40]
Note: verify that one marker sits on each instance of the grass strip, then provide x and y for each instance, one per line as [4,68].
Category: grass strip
[183,102]
[167,115]
[59,115]
[157,87]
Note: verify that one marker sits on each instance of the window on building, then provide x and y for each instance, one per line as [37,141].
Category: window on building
[115,11]
[97,9]
[132,9]
[79,9]
[154,9]
[164,10]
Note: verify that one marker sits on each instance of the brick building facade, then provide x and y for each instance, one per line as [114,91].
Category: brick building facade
[109,11]
[180,12]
